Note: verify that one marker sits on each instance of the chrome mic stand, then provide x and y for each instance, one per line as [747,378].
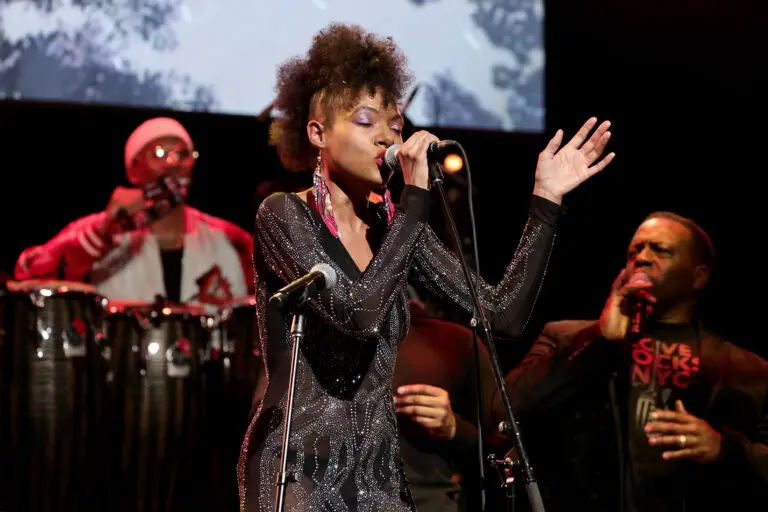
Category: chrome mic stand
[297,336]
[479,319]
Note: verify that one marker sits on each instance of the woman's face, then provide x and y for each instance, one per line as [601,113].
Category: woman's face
[353,144]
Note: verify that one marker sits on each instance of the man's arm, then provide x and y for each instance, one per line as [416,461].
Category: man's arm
[745,388]
[465,440]
[553,369]
[69,255]
[72,254]
[242,241]
[737,448]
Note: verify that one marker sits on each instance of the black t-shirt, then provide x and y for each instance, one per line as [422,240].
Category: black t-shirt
[171,259]
[664,365]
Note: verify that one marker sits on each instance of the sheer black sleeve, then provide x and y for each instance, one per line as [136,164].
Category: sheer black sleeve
[509,304]
[287,237]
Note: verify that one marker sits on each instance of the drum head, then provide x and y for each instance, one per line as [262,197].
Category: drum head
[247,301]
[53,286]
[146,308]
[228,309]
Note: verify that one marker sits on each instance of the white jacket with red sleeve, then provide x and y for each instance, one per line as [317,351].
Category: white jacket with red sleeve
[131,267]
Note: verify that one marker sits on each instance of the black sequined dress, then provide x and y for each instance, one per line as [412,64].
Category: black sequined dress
[344,448]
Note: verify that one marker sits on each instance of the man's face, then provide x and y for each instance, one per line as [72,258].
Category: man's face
[662,249]
[160,157]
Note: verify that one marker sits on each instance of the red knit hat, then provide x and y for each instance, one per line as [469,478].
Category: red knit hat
[148,131]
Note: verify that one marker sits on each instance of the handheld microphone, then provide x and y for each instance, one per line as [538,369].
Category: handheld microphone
[638,305]
[321,277]
[162,196]
[437,152]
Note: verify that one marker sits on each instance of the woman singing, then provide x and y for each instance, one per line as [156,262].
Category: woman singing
[339,112]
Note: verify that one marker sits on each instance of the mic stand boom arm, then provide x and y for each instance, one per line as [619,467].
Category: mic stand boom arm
[480,320]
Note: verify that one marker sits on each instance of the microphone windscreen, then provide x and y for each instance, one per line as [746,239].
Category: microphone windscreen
[391,161]
[329,274]
[640,277]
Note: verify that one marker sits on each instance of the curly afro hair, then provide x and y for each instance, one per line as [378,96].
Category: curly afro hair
[342,61]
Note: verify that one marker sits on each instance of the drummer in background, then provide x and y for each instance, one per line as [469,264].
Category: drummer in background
[186,256]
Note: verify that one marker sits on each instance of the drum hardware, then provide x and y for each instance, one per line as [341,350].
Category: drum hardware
[52,391]
[159,403]
[164,410]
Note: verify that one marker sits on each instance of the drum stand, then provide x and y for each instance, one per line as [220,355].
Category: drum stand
[297,336]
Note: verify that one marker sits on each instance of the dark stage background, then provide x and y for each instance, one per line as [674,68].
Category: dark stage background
[679,81]
[682,82]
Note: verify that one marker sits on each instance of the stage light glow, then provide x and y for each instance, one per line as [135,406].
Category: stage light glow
[453,163]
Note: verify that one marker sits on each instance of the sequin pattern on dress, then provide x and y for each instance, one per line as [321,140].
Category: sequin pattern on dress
[344,444]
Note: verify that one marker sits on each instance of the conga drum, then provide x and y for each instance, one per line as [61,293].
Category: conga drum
[161,448]
[233,369]
[52,397]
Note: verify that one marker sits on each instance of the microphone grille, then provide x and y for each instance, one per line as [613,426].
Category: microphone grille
[329,274]
[390,158]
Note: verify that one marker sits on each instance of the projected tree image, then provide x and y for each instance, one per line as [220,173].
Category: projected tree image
[80,61]
[478,63]
[516,27]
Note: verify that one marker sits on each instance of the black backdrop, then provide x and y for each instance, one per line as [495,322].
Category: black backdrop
[679,80]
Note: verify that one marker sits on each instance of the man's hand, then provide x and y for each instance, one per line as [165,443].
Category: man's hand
[614,320]
[430,407]
[692,437]
[131,200]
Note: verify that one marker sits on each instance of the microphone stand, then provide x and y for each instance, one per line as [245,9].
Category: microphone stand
[298,327]
[478,407]
[479,319]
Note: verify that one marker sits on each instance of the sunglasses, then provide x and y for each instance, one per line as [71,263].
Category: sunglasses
[174,154]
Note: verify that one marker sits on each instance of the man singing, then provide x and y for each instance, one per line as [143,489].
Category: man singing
[183,255]
[671,419]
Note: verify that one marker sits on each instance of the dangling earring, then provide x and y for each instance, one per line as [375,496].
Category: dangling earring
[389,209]
[323,198]
[384,208]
